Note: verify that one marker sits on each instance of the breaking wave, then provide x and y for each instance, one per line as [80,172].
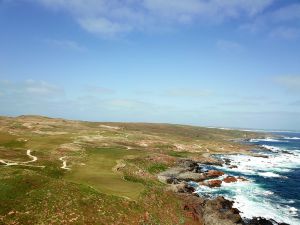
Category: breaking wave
[270,175]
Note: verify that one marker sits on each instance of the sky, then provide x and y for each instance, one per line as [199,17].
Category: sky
[232,63]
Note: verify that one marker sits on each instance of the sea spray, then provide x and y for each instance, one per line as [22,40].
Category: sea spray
[273,187]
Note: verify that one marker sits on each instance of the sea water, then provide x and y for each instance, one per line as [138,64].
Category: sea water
[273,189]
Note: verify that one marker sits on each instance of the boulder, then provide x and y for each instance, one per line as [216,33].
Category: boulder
[188,165]
[230,179]
[227,161]
[165,179]
[170,176]
[214,183]
[191,176]
[220,211]
[213,174]
[182,187]
[217,211]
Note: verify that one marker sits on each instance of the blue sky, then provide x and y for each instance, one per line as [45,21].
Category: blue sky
[213,63]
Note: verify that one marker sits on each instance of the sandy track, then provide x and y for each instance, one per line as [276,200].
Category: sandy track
[64,166]
[34,158]
[28,153]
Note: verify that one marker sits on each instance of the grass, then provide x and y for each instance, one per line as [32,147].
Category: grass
[178,154]
[98,173]
[10,141]
[156,168]
[94,193]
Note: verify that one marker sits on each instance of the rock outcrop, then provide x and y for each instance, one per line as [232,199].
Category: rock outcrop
[182,187]
[230,179]
[187,170]
[214,174]
[212,212]
[262,221]
[220,211]
[208,161]
[212,183]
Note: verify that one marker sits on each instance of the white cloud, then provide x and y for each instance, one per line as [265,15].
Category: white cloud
[103,26]
[65,44]
[287,13]
[30,89]
[111,17]
[211,9]
[280,23]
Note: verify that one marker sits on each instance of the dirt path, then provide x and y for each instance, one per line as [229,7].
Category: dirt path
[64,166]
[28,153]
[34,158]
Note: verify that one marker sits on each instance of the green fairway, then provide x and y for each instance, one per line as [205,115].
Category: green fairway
[98,173]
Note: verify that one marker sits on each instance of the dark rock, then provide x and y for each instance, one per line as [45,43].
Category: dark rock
[186,171]
[170,176]
[182,187]
[227,161]
[262,221]
[261,156]
[287,152]
[189,165]
[220,211]
[233,167]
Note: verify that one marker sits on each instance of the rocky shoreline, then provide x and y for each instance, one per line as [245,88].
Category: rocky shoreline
[206,210]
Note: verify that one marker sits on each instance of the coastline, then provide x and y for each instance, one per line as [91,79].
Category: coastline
[187,189]
[146,150]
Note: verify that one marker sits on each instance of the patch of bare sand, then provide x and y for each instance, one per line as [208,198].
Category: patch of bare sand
[69,147]
[110,127]
[49,132]
[91,138]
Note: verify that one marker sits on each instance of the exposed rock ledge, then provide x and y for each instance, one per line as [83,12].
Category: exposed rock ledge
[211,212]
[218,211]
[187,170]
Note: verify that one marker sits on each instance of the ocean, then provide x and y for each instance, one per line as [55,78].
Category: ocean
[273,190]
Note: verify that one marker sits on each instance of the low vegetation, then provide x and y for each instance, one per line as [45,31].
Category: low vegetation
[110,170]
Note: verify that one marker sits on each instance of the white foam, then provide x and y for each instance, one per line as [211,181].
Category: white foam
[266,193]
[251,199]
[268,139]
[276,163]
[292,138]
[269,174]
[272,148]
[293,211]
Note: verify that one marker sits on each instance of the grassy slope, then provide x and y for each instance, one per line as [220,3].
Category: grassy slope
[97,173]
[113,166]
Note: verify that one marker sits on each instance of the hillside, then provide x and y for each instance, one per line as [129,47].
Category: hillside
[56,171]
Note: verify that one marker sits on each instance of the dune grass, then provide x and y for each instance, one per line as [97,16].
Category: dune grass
[98,173]
[93,191]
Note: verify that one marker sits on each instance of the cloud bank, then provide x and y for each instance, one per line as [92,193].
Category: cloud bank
[112,17]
